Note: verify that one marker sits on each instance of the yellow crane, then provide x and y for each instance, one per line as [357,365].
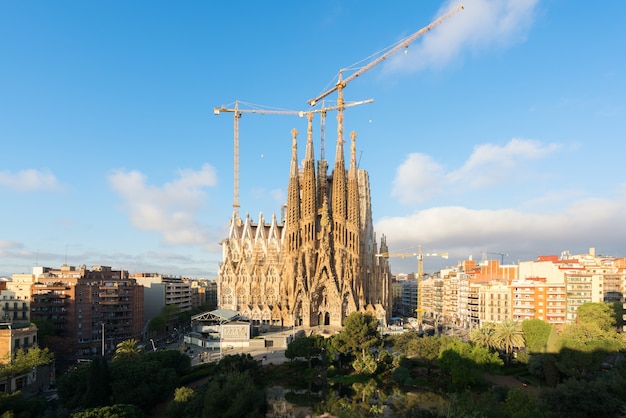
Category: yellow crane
[420,273]
[237,113]
[403,44]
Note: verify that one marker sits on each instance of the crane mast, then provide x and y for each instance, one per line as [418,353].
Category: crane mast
[237,113]
[342,83]
[420,273]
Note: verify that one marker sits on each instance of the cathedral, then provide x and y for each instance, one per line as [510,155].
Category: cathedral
[319,263]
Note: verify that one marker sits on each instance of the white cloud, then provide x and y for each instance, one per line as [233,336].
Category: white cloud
[417,178]
[29,180]
[172,209]
[481,25]
[522,235]
[490,164]
[420,177]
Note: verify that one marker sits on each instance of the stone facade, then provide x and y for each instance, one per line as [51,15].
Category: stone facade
[317,265]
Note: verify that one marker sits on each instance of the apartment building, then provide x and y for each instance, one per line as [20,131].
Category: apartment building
[15,336]
[534,298]
[450,308]
[396,298]
[91,309]
[160,290]
[494,302]
[15,298]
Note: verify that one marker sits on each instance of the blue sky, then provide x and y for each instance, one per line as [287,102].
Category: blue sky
[500,131]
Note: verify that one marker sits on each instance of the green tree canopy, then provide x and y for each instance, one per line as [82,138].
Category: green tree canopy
[113,411]
[465,362]
[45,329]
[25,361]
[508,336]
[584,346]
[484,335]
[306,347]
[127,349]
[536,335]
[234,396]
[600,314]
[401,342]
[359,334]
[425,349]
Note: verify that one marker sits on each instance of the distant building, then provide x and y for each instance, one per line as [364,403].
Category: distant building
[86,306]
[160,290]
[203,292]
[14,337]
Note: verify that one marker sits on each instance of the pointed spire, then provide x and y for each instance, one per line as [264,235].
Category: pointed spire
[339,159]
[294,153]
[353,151]
[309,138]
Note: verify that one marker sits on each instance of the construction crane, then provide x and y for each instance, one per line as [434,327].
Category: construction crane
[237,113]
[420,273]
[322,111]
[502,255]
[341,82]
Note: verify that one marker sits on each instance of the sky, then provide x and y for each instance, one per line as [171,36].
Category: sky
[498,134]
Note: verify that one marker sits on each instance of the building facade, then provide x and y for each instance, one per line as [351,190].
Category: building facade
[161,290]
[319,264]
[91,309]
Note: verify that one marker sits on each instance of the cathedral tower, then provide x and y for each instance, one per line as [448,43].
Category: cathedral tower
[318,265]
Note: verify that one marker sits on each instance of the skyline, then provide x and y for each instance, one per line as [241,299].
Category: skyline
[499,131]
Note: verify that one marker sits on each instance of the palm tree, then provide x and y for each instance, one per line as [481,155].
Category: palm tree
[127,349]
[508,335]
[484,335]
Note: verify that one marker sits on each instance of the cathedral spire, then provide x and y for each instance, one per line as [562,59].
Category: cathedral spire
[293,198]
[309,189]
[354,201]
[309,138]
[353,151]
[294,153]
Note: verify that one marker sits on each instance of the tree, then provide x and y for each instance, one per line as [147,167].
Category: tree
[509,335]
[127,349]
[584,346]
[582,398]
[485,335]
[307,347]
[25,361]
[113,411]
[45,329]
[71,386]
[142,382]
[182,397]
[98,390]
[234,396]
[600,314]
[401,342]
[521,404]
[618,309]
[425,349]
[536,335]
[465,362]
[157,324]
[359,334]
